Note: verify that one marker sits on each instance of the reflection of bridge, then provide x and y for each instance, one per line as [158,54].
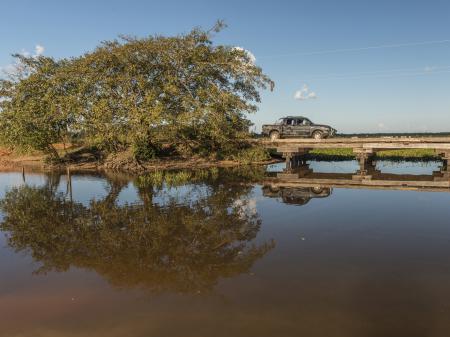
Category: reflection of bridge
[363,148]
[370,178]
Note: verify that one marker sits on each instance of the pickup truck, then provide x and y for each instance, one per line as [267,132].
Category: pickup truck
[297,126]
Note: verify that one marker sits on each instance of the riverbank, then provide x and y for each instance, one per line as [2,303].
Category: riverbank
[88,160]
[85,159]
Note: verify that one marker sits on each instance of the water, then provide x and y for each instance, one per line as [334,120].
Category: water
[227,252]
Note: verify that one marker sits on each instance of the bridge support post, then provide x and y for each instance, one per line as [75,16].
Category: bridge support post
[288,157]
[445,155]
[446,158]
[364,157]
[294,159]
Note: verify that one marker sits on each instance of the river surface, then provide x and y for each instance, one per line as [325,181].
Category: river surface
[227,252]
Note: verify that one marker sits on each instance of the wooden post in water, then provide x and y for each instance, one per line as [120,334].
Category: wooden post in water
[23,174]
[444,170]
[69,183]
[446,158]
[364,157]
[292,159]
[445,155]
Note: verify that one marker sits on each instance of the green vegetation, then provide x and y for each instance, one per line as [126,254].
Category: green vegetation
[169,178]
[331,153]
[155,96]
[409,154]
[174,178]
[347,153]
[251,154]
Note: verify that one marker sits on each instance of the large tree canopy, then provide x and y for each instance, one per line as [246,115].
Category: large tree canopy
[183,91]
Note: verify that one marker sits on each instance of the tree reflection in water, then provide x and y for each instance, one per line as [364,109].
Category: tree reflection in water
[181,247]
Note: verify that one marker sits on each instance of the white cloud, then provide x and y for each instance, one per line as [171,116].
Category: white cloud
[39,50]
[9,70]
[381,125]
[299,95]
[249,54]
[304,93]
[312,95]
[13,68]
[429,69]
[25,53]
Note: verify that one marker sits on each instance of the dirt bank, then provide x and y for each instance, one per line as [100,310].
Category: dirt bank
[83,160]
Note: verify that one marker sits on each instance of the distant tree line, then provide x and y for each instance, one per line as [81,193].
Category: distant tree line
[396,134]
[181,93]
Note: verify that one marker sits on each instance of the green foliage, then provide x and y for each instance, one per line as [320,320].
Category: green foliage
[347,153]
[34,113]
[159,179]
[252,154]
[155,178]
[183,92]
[144,151]
[327,154]
[169,178]
[427,154]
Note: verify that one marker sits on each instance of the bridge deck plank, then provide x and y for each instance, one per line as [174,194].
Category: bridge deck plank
[296,145]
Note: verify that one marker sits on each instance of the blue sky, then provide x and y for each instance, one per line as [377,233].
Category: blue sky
[354,88]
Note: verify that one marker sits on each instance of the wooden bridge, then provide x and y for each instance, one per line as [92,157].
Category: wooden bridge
[363,148]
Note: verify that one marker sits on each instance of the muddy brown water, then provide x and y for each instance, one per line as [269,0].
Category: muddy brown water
[218,253]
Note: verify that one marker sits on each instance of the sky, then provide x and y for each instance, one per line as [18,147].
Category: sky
[358,65]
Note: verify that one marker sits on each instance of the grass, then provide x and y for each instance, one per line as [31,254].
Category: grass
[170,178]
[175,178]
[331,154]
[347,154]
[251,155]
[426,154]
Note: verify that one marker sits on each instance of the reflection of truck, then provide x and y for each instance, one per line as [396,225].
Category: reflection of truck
[297,126]
[296,195]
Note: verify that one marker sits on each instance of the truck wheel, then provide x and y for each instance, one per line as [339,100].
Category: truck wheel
[317,135]
[274,135]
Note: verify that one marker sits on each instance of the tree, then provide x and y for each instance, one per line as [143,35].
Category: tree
[180,91]
[35,105]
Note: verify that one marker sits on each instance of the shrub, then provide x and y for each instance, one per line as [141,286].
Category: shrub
[251,154]
[144,151]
